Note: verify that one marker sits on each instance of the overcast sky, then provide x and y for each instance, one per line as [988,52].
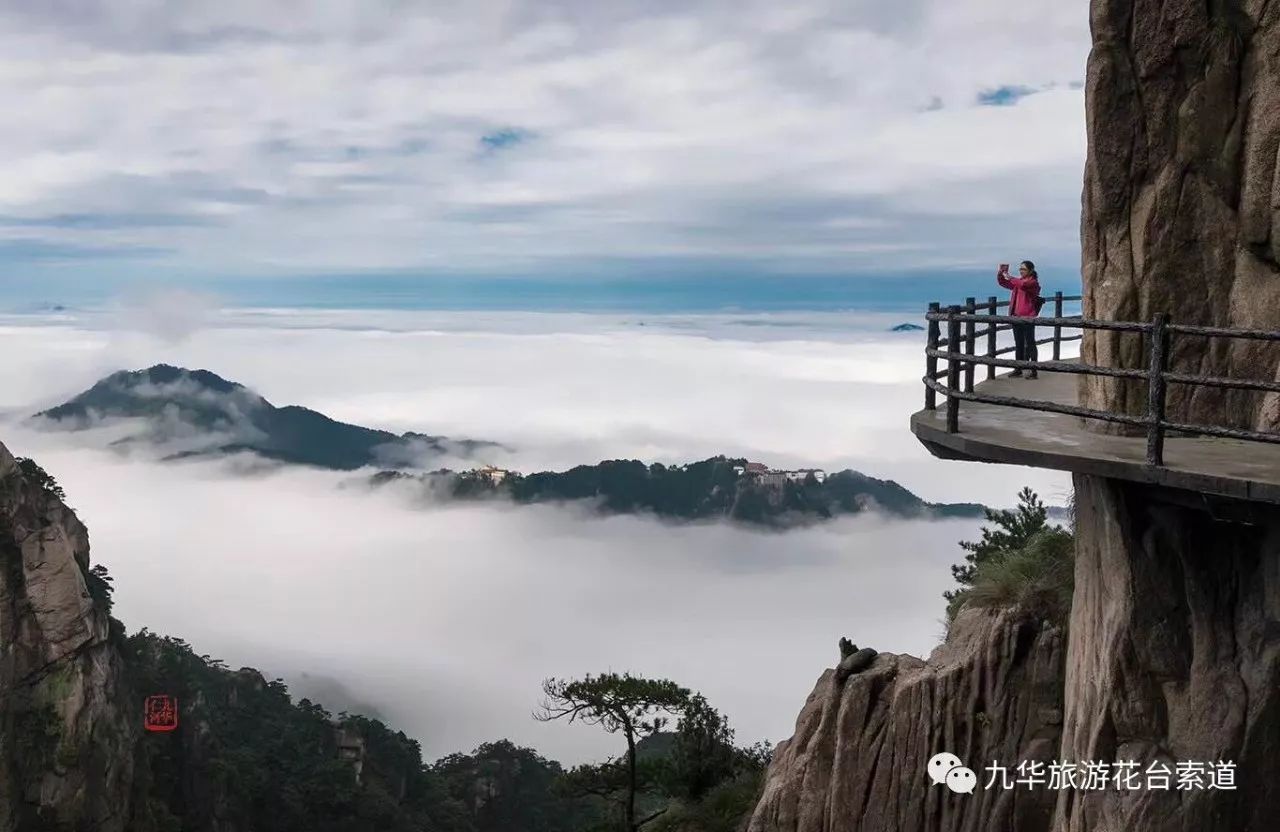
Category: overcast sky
[203,139]
[196,138]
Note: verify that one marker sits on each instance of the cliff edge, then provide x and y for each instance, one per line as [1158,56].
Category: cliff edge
[857,761]
[66,745]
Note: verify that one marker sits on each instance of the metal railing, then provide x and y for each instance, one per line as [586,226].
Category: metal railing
[961,359]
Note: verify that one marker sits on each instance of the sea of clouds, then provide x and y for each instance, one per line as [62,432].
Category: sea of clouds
[445,620]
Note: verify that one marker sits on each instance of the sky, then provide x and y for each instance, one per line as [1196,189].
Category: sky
[264,189]
[444,620]
[199,140]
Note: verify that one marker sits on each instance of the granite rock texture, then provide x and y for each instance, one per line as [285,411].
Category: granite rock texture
[1174,655]
[66,742]
[1182,196]
[857,760]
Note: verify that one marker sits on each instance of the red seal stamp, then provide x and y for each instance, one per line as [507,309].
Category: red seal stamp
[160,713]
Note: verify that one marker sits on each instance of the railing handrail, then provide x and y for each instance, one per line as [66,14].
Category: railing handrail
[961,357]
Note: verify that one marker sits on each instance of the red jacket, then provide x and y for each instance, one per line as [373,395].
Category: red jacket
[1026,290]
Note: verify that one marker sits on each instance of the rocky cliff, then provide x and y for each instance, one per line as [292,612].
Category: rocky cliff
[1174,655]
[1182,195]
[1175,629]
[66,741]
[857,760]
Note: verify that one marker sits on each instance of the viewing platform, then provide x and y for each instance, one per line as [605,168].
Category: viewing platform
[1041,423]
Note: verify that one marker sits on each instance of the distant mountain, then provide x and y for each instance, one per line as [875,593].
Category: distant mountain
[715,488]
[907,328]
[190,413]
[196,412]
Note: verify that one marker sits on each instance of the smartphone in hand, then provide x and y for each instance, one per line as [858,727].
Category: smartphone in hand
[1004,267]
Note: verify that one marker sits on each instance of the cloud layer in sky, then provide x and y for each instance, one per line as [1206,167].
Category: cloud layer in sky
[197,138]
[803,390]
[444,620]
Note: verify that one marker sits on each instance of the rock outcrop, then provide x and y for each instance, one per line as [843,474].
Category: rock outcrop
[1174,656]
[1182,196]
[992,692]
[66,744]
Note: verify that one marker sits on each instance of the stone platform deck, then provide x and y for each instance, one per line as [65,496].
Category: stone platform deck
[993,433]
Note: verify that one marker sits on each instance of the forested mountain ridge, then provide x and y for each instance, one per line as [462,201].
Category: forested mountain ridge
[716,488]
[199,413]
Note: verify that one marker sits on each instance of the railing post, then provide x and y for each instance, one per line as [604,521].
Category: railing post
[1057,329]
[953,370]
[931,362]
[991,337]
[1156,389]
[970,307]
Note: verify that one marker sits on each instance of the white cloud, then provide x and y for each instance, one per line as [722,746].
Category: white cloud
[827,390]
[282,136]
[169,314]
[446,619]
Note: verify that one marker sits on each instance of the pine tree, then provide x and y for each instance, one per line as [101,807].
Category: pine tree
[1010,530]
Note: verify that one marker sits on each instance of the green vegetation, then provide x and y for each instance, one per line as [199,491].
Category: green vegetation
[246,753]
[40,478]
[1038,577]
[706,490]
[625,704]
[37,734]
[722,809]
[504,787]
[100,585]
[694,779]
[1020,561]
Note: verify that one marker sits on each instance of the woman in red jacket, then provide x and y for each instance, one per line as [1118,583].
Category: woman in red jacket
[1024,302]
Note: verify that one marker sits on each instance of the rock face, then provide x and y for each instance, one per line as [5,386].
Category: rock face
[1175,631]
[992,692]
[1182,195]
[66,748]
[1174,656]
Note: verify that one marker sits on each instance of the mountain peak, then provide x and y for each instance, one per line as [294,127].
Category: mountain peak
[200,412]
[167,374]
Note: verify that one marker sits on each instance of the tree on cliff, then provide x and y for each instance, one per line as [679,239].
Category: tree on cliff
[1010,529]
[626,704]
[36,475]
[1021,560]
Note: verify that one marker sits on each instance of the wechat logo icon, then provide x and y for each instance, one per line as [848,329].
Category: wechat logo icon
[949,769]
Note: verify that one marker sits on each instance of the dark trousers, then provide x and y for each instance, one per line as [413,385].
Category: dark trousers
[1024,342]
